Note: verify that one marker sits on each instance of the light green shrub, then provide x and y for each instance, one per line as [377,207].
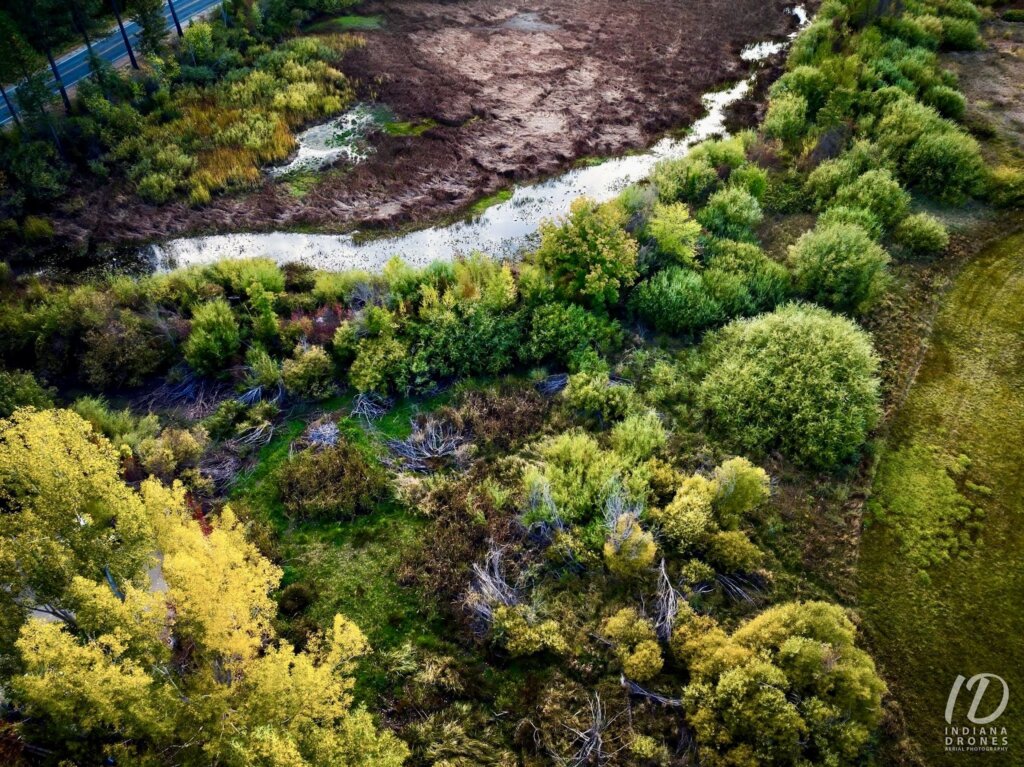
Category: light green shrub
[839,266]
[731,213]
[787,118]
[309,373]
[214,337]
[800,380]
[674,232]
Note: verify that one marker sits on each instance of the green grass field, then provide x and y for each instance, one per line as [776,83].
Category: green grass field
[941,581]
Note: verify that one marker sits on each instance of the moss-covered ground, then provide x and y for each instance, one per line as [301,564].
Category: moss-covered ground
[352,565]
[941,568]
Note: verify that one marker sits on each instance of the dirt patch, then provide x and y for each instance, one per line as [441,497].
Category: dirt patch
[517,91]
[991,79]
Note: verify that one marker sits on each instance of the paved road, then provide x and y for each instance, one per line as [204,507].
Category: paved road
[75,65]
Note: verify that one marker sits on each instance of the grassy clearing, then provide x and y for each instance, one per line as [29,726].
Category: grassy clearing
[349,23]
[941,582]
[352,565]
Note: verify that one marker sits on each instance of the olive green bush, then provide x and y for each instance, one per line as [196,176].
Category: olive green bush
[588,255]
[676,301]
[688,179]
[786,118]
[731,213]
[946,166]
[330,484]
[787,687]
[922,233]
[879,193]
[309,373]
[561,332]
[19,388]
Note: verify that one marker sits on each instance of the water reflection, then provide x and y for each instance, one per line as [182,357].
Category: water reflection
[504,230]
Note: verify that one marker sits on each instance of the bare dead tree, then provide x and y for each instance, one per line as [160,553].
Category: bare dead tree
[432,444]
[252,436]
[666,605]
[542,511]
[621,516]
[221,468]
[260,393]
[590,744]
[319,434]
[369,406]
[197,396]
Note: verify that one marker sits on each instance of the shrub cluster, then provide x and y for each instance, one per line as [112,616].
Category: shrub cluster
[330,484]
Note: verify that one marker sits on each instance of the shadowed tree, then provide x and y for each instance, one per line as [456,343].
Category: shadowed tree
[149,15]
[174,15]
[124,35]
[17,60]
[44,24]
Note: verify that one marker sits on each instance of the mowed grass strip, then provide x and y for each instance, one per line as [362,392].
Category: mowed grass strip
[941,569]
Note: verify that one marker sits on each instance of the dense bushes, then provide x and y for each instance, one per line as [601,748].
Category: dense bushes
[329,484]
[596,521]
[800,380]
[561,333]
[20,389]
[195,121]
[762,704]
[676,301]
[879,73]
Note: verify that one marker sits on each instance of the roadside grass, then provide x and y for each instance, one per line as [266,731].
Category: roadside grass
[941,582]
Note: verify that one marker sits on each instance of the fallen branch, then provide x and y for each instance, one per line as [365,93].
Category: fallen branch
[552,385]
[667,604]
[636,691]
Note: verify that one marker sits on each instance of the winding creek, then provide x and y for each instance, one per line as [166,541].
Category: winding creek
[503,230]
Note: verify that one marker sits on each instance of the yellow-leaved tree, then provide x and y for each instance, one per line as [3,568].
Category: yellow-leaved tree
[183,668]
